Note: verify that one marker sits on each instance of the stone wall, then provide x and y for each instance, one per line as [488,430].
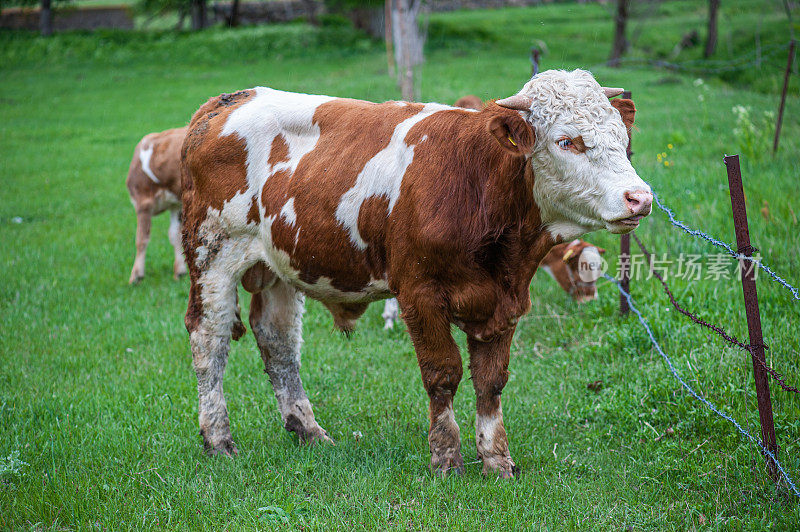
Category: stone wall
[70,18]
[266,12]
[370,20]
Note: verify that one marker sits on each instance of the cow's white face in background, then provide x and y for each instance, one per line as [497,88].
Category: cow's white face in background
[583,179]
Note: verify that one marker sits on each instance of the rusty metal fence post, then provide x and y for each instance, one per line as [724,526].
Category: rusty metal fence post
[625,248]
[751,309]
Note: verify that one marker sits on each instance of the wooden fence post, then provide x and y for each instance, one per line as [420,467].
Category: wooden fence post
[625,249]
[779,121]
[751,310]
[535,56]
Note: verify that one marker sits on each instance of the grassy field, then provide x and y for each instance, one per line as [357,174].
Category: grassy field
[98,424]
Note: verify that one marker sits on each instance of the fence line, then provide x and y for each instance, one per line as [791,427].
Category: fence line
[708,66]
[699,397]
[780,379]
[735,254]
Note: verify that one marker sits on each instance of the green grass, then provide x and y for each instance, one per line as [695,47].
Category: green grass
[97,392]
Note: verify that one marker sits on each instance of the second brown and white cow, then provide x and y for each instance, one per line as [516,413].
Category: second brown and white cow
[154,185]
[348,201]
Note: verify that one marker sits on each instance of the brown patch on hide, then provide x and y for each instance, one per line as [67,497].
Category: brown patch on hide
[351,133]
[372,223]
[469,220]
[578,145]
[279,151]
[253,215]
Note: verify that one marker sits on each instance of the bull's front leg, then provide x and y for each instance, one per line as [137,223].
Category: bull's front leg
[488,365]
[440,365]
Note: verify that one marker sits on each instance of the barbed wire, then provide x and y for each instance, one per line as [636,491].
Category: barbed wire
[735,254]
[696,395]
[780,379]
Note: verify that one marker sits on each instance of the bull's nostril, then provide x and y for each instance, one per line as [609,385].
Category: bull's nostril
[638,202]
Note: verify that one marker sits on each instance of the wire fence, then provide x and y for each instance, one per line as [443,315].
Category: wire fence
[780,379]
[742,255]
[728,249]
[780,468]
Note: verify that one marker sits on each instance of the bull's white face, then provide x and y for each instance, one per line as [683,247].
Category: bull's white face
[583,179]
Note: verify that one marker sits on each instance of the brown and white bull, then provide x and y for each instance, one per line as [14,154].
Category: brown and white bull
[347,202]
[154,184]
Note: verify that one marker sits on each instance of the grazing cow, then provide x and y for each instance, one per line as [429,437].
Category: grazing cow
[575,266]
[154,184]
[470,101]
[347,202]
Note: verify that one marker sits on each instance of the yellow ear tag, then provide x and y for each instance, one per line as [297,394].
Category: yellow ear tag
[511,140]
[568,254]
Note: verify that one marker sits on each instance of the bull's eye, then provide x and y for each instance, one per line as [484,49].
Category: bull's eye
[565,143]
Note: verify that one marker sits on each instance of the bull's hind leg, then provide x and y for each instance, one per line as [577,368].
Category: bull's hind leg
[276,317]
[144,216]
[488,365]
[179,266]
[211,318]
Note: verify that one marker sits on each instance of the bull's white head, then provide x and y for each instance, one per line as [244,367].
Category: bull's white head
[583,179]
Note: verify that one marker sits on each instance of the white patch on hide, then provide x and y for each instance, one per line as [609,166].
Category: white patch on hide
[323,290]
[565,230]
[382,175]
[287,212]
[265,116]
[145,154]
[485,427]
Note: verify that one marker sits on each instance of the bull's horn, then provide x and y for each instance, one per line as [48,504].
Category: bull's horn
[517,102]
[612,91]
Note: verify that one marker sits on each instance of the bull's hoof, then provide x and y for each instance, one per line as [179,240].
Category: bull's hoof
[307,435]
[135,277]
[445,464]
[177,274]
[500,466]
[224,448]
[238,330]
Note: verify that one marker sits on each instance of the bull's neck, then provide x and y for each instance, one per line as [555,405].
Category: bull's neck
[512,215]
[507,194]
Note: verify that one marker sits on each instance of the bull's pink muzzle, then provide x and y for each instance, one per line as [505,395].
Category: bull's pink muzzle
[638,203]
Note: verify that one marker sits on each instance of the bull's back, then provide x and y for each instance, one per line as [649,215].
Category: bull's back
[317,176]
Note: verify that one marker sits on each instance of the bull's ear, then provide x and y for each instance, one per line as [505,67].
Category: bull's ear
[600,250]
[512,132]
[627,110]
